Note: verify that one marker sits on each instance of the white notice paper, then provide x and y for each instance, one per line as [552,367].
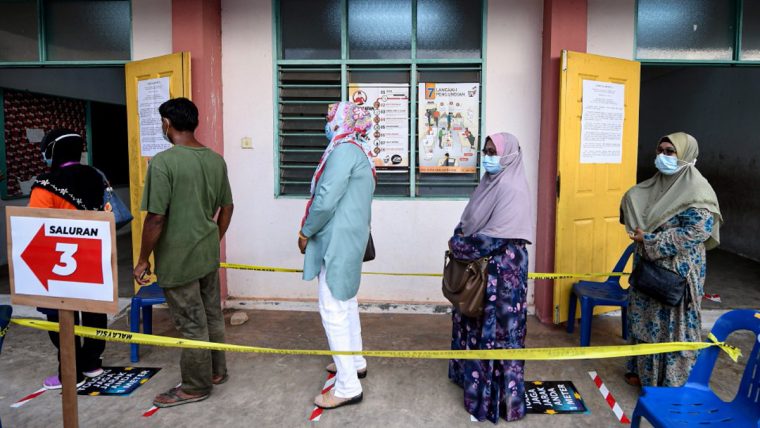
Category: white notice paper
[151,93]
[602,122]
[34,135]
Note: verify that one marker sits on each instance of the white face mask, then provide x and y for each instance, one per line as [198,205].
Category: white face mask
[165,132]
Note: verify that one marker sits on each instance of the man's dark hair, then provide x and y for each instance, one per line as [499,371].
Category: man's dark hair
[181,112]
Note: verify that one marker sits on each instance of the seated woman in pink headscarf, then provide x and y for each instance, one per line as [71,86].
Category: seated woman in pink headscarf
[497,223]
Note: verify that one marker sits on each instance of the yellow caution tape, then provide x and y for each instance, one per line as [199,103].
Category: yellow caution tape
[565,353]
[3,331]
[531,275]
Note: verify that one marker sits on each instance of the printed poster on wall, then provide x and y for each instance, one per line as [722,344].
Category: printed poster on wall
[151,93]
[388,105]
[602,122]
[448,131]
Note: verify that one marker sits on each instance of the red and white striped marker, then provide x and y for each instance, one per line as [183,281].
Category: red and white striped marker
[150,412]
[28,398]
[316,413]
[609,398]
[153,409]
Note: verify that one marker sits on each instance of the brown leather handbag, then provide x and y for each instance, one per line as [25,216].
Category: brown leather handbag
[464,284]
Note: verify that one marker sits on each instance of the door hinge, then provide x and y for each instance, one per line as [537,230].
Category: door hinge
[558,186]
[556,313]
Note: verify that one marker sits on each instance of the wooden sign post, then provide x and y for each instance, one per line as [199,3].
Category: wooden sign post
[65,260]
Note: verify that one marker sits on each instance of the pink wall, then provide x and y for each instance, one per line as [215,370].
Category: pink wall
[197,28]
[565,27]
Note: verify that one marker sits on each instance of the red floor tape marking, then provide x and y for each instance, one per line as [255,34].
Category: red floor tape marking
[316,413]
[150,412]
[28,398]
[153,409]
[609,398]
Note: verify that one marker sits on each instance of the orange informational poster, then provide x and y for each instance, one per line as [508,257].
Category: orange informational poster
[448,120]
[62,259]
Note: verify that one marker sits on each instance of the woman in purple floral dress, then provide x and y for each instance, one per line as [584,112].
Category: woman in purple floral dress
[497,224]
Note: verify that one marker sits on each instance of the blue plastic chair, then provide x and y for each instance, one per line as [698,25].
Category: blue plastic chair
[694,404]
[592,293]
[144,299]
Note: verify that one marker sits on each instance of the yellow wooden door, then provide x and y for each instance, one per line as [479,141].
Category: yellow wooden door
[175,67]
[593,172]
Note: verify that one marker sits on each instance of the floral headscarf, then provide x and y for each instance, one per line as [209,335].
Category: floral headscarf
[350,124]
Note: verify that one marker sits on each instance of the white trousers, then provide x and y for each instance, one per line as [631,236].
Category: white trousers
[344,333]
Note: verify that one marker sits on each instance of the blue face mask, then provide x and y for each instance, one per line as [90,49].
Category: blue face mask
[48,162]
[667,165]
[329,132]
[492,164]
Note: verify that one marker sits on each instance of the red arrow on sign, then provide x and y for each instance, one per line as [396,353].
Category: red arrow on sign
[42,257]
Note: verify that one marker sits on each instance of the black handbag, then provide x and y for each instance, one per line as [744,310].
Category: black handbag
[464,284]
[659,283]
[369,253]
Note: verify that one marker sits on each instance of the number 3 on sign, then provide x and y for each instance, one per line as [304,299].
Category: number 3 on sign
[68,264]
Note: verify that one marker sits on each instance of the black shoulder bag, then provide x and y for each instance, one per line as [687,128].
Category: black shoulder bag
[369,253]
[659,283]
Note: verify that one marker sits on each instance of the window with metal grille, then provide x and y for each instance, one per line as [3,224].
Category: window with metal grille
[42,32]
[325,46]
[698,31]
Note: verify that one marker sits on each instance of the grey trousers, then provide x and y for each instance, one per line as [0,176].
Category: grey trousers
[196,309]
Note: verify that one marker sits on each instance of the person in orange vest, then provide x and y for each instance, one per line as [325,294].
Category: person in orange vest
[71,186]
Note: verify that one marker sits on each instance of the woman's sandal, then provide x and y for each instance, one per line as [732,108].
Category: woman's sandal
[632,379]
[172,398]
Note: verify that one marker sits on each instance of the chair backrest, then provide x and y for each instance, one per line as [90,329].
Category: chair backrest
[5,319]
[620,265]
[738,319]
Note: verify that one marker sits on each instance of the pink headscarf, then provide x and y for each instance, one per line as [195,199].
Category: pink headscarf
[350,123]
[501,205]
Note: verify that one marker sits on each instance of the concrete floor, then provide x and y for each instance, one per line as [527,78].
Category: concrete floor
[735,278]
[275,391]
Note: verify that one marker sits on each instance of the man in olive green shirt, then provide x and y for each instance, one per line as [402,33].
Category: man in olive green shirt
[185,187]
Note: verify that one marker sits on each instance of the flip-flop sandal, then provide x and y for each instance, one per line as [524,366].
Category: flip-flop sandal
[216,380]
[177,400]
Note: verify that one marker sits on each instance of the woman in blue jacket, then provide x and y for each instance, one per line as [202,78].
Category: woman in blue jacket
[334,235]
